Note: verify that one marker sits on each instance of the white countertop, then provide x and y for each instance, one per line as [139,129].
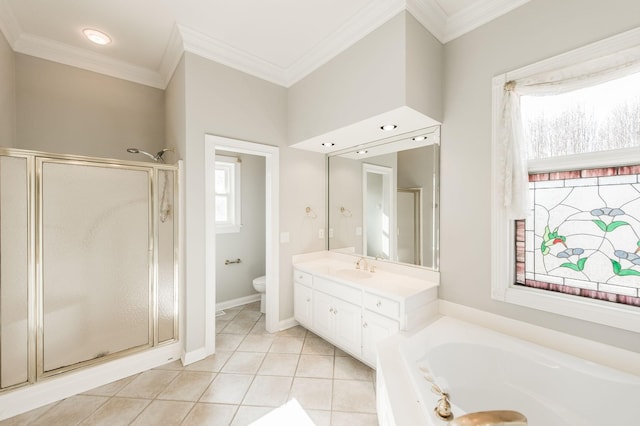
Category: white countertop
[389,283]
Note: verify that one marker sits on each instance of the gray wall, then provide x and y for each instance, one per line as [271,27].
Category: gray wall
[7,94]
[424,70]
[236,280]
[222,101]
[535,31]
[67,110]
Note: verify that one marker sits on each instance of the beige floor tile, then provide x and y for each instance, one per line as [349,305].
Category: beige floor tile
[148,384]
[244,363]
[297,331]
[221,324]
[349,368]
[165,413]
[247,415]
[318,366]
[117,411]
[353,396]
[248,315]
[173,365]
[313,394]
[253,306]
[227,388]
[260,328]
[188,386]
[230,313]
[279,365]
[110,389]
[317,346]
[238,327]
[71,411]
[204,414]
[27,418]
[353,419]
[287,345]
[212,363]
[256,343]
[320,417]
[270,391]
[228,342]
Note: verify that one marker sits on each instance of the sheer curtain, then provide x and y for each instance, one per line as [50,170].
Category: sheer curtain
[580,75]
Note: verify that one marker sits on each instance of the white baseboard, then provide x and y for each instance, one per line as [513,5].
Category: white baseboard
[29,397]
[237,302]
[288,323]
[600,353]
[193,356]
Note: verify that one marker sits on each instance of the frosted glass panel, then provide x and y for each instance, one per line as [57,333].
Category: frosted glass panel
[95,260]
[166,253]
[14,276]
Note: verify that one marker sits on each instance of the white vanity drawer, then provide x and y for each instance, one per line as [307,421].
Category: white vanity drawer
[341,291]
[382,305]
[302,278]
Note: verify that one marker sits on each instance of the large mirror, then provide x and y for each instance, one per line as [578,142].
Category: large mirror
[383,199]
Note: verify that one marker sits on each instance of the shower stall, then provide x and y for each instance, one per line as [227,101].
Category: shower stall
[88,262]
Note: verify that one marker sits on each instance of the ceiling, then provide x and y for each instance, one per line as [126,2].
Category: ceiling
[281,41]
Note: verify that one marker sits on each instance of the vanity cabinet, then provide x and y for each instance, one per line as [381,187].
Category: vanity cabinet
[380,319]
[302,293]
[355,316]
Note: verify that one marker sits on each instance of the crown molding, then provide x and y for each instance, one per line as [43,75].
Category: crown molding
[172,55]
[430,15]
[9,25]
[215,50]
[358,26]
[478,14]
[85,59]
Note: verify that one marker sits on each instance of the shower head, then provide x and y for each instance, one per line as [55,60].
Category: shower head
[157,157]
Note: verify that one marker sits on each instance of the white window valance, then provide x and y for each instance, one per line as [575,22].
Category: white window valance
[584,73]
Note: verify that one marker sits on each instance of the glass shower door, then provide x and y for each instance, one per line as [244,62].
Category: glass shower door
[96,272]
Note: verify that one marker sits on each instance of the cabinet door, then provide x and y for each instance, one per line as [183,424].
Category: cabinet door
[348,329]
[322,314]
[302,306]
[375,327]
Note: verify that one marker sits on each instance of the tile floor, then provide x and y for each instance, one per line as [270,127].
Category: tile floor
[252,373]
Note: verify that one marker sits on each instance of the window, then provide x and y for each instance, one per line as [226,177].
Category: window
[227,192]
[566,151]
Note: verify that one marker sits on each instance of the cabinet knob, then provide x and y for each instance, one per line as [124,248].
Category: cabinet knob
[364,325]
[379,303]
[308,300]
[331,309]
[335,311]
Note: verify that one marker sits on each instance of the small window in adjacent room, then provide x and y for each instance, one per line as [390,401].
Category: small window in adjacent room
[227,188]
[566,176]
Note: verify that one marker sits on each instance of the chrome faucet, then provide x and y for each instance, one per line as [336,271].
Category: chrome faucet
[365,266]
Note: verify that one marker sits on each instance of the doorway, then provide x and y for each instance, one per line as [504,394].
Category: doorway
[271,155]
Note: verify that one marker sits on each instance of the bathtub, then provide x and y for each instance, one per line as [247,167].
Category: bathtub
[485,370]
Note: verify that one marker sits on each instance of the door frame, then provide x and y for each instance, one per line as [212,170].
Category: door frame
[272,249]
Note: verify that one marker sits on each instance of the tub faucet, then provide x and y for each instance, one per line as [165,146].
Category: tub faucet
[498,417]
[365,266]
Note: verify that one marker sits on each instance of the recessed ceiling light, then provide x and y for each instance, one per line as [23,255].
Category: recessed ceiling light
[97,37]
[419,138]
[328,144]
[388,127]
[361,152]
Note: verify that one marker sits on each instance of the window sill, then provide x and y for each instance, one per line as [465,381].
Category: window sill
[601,312]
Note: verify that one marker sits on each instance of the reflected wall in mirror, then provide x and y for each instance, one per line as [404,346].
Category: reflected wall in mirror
[383,199]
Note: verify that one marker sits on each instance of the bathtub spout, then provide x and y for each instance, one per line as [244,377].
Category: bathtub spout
[491,418]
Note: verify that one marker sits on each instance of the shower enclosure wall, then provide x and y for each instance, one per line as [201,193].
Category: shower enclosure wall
[88,262]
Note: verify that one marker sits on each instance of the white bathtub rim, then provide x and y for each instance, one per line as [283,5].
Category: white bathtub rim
[599,353]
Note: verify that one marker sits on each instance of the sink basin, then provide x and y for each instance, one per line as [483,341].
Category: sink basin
[352,274]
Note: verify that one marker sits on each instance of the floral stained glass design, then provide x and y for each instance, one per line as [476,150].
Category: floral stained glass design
[583,234]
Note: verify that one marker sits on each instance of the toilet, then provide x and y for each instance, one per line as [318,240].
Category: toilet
[259,284]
